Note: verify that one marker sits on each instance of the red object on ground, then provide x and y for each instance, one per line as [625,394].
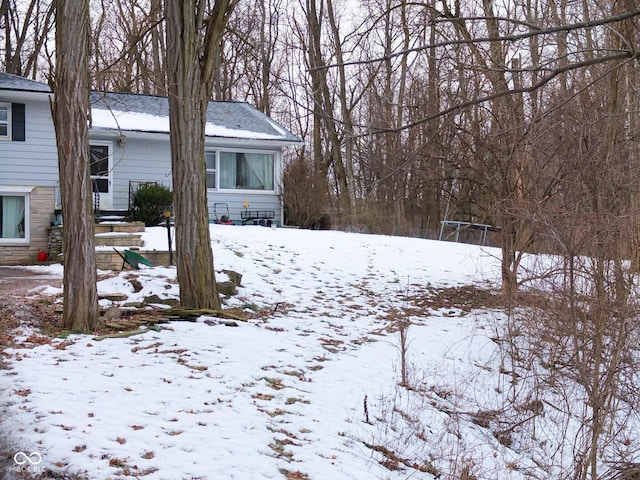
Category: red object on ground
[42,256]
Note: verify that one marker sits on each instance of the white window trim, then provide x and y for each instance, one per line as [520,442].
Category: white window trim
[19,192]
[213,170]
[249,191]
[109,145]
[7,137]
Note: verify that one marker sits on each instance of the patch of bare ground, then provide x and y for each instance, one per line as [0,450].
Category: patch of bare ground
[16,313]
[20,312]
[23,281]
[464,298]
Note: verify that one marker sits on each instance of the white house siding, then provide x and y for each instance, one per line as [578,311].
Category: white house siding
[148,160]
[257,200]
[33,162]
[138,160]
[235,202]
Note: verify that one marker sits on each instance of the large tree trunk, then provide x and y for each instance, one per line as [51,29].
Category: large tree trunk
[190,62]
[70,113]
[194,257]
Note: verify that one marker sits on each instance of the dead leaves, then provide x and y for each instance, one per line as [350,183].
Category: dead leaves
[35,340]
[297,475]
[275,383]
[459,300]
[127,470]
[262,396]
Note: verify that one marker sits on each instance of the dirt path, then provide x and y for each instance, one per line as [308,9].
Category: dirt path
[20,281]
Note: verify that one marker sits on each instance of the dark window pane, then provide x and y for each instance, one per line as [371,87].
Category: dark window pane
[100,185]
[99,158]
[210,158]
[211,179]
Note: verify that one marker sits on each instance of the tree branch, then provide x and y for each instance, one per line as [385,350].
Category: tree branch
[574,66]
[471,41]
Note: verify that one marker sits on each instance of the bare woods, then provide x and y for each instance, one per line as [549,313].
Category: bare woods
[521,115]
[409,111]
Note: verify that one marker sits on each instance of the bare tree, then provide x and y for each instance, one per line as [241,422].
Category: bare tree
[70,115]
[25,27]
[193,41]
[331,101]
[128,47]
[252,58]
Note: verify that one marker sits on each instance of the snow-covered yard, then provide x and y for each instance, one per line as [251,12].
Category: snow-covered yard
[309,389]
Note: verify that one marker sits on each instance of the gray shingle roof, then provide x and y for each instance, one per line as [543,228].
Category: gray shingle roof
[239,116]
[9,81]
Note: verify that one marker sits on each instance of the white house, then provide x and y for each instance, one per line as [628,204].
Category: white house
[129,144]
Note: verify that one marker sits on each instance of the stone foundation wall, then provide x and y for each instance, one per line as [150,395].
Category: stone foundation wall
[110,260]
[55,242]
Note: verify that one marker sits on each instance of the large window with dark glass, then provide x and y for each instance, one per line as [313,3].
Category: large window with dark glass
[246,171]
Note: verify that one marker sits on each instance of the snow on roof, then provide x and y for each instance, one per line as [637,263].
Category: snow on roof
[135,121]
[149,113]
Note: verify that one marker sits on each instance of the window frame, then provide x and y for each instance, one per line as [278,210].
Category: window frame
[274,156]
[6,105]
[212,171]
[106,198]
[24,192]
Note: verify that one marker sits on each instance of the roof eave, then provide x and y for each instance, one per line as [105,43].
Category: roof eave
[257,142]
[21,94]
[209,139]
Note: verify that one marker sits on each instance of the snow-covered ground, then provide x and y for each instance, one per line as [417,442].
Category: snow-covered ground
[287,395]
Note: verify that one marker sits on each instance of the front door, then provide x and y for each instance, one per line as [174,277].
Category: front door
[100,159]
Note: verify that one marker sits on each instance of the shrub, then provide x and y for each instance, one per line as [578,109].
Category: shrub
[149,202]
[304,195]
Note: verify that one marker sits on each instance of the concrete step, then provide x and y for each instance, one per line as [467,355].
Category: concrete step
[121,235]
[118,240]
[122,227]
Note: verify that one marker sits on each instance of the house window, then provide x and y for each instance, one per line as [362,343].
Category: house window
[246,171]
[99,158]
[5,121]
[210,159]
[14,217]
